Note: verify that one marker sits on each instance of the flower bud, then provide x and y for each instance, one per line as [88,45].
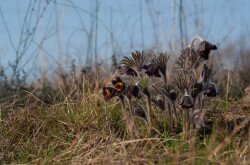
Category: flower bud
[211,90]
[196,89]
[173,95]
[187,101]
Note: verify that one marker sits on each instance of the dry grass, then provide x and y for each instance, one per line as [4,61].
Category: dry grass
[89,131]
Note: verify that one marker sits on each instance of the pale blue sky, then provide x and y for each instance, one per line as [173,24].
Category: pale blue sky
[220,21]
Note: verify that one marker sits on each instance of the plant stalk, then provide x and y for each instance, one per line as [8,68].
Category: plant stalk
[149,114]
[126,117]
[132,121]
[175,112]
[170,117]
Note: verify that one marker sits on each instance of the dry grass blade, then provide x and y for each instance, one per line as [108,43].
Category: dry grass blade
[228,139]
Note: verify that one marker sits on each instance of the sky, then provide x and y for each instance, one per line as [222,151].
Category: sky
[67,30]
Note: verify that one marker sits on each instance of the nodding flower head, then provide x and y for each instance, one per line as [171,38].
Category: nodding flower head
[211,90]
[198,118]
[172,95]
[152,70]
[123,69]
[135,91]
[132,90]
[205,48]
[196,89]
[187,101]
[108,92]
[139,111]
[119,85]
[159,103]
[118,89]
[168,90]
[161,62]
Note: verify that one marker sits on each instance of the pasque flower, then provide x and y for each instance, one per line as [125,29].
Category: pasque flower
[119,85]
[132,90]
[172,95]
[211,90]
[187,101]
[196,89]
[123,69]
[152,70]
[108,92]
[205,48]
[117,89]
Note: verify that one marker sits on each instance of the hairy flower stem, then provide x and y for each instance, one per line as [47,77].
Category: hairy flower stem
[149,114]
[165,79]
[127,118]
[170,116]
[175,112]
[132,122]
[169,111]
[192,149]
[184,127]
[201,101]
[188,122]
[186,115]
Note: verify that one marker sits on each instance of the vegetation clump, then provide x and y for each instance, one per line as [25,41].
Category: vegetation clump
[145,113]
